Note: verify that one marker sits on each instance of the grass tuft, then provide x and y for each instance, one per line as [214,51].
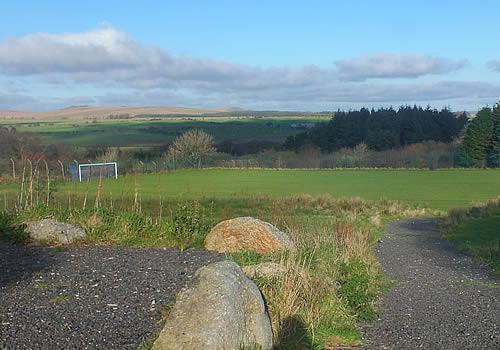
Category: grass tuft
[476,231]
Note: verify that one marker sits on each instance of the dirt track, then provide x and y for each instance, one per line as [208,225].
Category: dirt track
[441,299]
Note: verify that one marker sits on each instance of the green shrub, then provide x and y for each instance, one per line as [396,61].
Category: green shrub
[11,231]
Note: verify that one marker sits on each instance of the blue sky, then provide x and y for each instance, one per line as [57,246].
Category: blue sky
[314,55]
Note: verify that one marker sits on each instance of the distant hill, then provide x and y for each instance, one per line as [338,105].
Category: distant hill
[105,112]
[123,112]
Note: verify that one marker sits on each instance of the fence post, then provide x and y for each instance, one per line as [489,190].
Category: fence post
[62,169]
[13,169]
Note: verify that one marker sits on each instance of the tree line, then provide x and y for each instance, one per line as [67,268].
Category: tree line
[406,137]
[382,129]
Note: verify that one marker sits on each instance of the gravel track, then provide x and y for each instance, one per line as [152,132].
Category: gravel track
[441,299]
[89,297]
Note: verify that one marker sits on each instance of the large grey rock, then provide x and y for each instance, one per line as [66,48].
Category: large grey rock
[247,234]
[52,230]
[221,310]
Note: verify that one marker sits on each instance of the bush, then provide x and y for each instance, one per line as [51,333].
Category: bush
[193,146]
[10,231]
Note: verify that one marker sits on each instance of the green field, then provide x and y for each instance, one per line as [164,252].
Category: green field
[149,133]
[440,189]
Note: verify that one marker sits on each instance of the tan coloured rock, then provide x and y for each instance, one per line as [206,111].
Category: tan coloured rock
[221,310]
[247,234]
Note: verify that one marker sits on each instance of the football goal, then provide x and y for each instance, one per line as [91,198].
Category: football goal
[97,171]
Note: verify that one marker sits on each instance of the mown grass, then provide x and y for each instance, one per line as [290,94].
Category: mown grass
[440,189]
[476,231]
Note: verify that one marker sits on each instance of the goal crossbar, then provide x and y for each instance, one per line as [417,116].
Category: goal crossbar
[80,166]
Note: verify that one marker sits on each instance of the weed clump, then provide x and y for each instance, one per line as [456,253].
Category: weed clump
[10,231]
[191,224]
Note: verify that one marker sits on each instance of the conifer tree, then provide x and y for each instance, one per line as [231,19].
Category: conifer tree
[478,137]
[493,152]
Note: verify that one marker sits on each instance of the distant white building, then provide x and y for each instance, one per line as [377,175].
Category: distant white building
[303,125]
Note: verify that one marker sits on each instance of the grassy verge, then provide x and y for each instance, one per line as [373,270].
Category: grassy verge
[330,284]
[476,231]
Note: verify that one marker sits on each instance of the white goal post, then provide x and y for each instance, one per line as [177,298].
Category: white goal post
[97,170]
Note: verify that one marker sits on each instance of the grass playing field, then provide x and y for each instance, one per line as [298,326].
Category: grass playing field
[439,189]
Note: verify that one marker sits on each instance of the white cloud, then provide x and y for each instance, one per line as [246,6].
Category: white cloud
[494,65]
[468,95]
[107,54]
[14,99]
[107,60]
[394,66]
[95,51]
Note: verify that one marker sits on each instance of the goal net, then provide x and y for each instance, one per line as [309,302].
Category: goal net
[97,171]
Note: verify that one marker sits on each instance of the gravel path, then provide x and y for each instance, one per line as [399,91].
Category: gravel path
[88,297]
[441,299]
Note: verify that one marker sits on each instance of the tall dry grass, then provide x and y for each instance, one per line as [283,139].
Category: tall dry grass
[332,281]
[459,216]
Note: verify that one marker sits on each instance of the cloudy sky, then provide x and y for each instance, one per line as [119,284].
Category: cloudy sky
[293,55]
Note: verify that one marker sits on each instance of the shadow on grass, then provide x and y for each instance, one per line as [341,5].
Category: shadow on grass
[294,335]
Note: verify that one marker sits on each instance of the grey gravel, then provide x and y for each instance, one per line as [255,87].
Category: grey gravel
[89,297]
[441,299]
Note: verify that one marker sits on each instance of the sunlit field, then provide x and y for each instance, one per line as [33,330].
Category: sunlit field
[129,133]
[439,189]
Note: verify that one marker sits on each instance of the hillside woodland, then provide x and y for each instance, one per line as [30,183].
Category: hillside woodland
[408,137]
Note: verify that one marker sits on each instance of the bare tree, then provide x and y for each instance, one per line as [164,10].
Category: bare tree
[110,155]
[361,152]
[192,146]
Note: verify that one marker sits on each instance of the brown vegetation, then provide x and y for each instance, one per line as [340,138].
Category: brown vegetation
[86,112]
